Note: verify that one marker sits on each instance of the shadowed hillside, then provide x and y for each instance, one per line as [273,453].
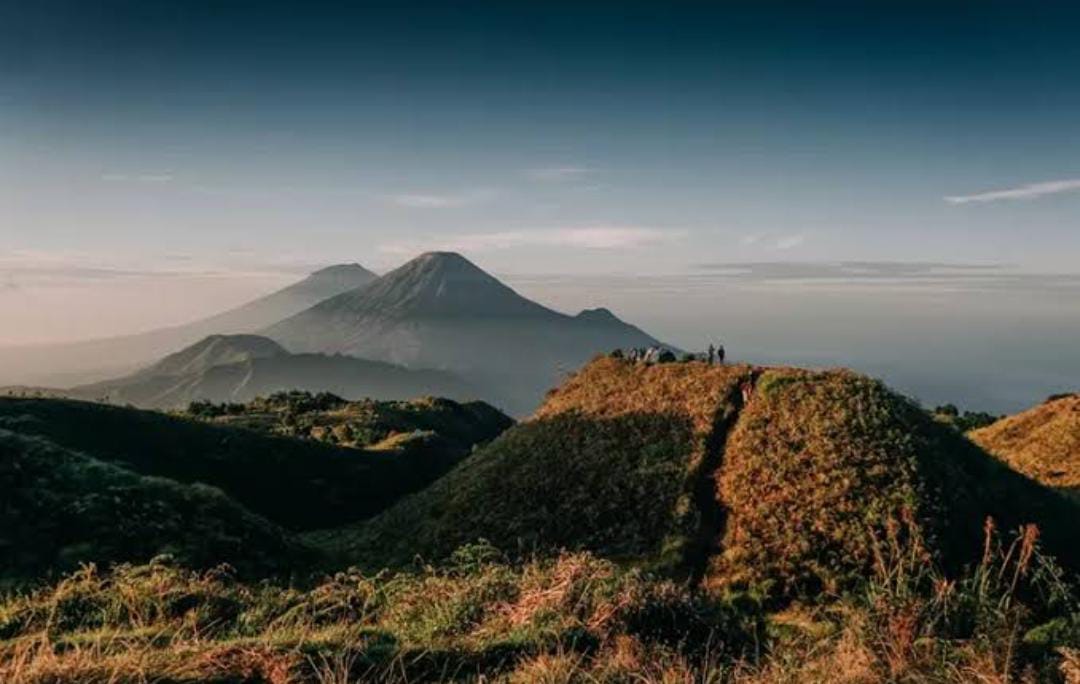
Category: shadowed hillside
[299,484]
[1042,442]
[786,494]
[61,508]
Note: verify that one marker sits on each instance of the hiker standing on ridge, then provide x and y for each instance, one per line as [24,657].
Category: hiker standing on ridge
[712,354]
[720,354]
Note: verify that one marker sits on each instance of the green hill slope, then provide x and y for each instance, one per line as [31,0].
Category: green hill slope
[61,508]
[610,464]
[664,464]
[300,484]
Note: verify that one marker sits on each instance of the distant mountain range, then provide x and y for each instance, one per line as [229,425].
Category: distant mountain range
[238,368]
[91,360]
[437,325]
[442,311]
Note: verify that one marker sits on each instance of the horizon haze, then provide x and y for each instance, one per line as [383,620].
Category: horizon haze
[890,187]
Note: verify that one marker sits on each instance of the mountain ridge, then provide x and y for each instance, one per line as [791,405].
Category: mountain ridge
[238,368]
[85,361]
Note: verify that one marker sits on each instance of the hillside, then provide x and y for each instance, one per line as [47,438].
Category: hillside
[664,463]
[238,368]
[62,508]
[1042,442]
[442,311]
[786,482]
[610,463]
[299,484]
[93,360]
[823,467]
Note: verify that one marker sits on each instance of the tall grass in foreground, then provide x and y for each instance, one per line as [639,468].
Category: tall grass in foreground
[574,618]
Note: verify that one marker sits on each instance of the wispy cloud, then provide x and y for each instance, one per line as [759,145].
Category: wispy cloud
[855,270]
[589,237]
[554,174]
[1030,191]
[419,200]
[137,177]
[760,240]
[790,241]
[33,268]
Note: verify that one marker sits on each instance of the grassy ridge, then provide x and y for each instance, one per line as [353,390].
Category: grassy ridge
[61,508]
[794,494]
[819,460]
[608,464]
[1042,442]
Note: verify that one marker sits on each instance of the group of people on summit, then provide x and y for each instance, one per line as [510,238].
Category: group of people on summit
[714,354]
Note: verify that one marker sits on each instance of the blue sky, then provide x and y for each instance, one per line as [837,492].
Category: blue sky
[163,159]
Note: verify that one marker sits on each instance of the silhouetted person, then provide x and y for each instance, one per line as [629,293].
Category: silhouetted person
[720,353]
[712,354]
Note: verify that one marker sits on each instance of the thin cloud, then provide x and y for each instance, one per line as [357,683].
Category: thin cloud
[28,268]
[592,237]
[855,270]
[137,178]
[790,241]
[412,200]
[1023,192]
[555,174]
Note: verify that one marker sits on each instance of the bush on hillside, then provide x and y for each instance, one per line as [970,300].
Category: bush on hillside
[963,422]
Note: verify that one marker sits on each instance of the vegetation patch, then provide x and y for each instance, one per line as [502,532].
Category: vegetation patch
[328,418]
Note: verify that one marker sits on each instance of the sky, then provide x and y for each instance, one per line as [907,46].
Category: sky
[164,160]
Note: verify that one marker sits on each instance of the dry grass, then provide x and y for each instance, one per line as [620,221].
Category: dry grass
[567,620]
[1042,442]
[475,616]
